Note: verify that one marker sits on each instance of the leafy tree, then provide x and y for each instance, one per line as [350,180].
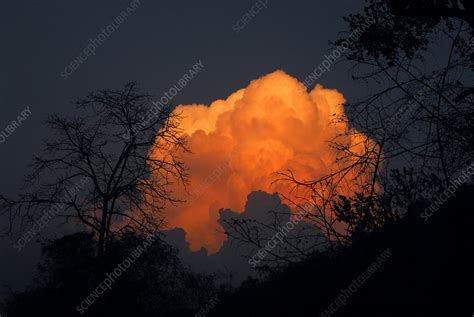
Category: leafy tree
[417,58]
[156,284]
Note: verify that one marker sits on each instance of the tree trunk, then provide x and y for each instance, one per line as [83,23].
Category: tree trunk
[103,228]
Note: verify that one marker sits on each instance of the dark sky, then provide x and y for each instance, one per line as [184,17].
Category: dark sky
[158,43]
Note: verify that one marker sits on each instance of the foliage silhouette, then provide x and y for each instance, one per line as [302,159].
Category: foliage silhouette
[156,284]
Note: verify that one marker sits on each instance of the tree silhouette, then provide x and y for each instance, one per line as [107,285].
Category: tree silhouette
[96,169]
[420,113]
[422,109]
[156,285]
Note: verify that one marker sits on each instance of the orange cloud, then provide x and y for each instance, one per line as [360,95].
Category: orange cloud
[238,144]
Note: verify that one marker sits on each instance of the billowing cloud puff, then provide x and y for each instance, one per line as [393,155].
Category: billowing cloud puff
[237,144]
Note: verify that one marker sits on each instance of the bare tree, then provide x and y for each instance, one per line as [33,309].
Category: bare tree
[106,151]
[275,239]
[325,200]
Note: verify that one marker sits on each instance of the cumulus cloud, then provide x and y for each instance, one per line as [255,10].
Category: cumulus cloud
[237,144]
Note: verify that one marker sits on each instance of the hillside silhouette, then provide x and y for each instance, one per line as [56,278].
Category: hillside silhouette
[428,273]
